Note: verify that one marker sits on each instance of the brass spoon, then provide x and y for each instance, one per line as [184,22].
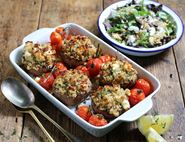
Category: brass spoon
[37,121]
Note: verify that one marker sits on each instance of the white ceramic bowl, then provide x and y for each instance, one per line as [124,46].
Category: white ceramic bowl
[139,51]
[42,36]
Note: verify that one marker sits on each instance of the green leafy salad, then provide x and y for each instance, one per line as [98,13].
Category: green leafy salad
[139,25]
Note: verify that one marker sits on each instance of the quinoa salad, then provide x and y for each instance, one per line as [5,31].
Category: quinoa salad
[139,25]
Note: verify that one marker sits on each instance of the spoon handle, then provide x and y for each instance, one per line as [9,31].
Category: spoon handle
[70,137]
[41,126]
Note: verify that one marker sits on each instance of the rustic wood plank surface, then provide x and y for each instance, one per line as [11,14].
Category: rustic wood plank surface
[179,49]
[20,17]
[17,19]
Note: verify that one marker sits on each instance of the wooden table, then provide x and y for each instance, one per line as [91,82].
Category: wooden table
[20,17]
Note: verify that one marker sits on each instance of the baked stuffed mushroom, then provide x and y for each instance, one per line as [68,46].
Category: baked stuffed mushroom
[77,50]
[110,101]
[72,88]
[117,72]
[38,58]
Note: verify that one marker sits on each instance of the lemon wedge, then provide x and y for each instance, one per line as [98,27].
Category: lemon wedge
[160,123]
[153,136]
[144,123]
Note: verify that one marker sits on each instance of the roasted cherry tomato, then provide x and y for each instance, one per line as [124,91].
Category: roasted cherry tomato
[105,58]
[94,66]
[46,80]
[97,120]
[144,85]
[83,69]
[55,38]
[59,30]
[84,112]
[59,69]
[63,33]
[136,96]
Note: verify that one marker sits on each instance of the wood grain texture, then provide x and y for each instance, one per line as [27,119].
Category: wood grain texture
[179,49]
[169,99]
[82,12]
[17,19]
[177,102]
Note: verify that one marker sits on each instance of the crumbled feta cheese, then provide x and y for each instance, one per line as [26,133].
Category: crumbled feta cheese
[27,54]
[161,30]
[116,67]
[152,31]
[126,104]
[131,39]
[133,28]
[37,79]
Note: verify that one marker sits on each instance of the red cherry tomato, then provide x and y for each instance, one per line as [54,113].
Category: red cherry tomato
[105,58]
[84,112]
[143,85]
[94,66]
[59,30]
[55,38]
[83,69]
[62,32]
[136,96]
[46,80]
[97,120]
[59,69]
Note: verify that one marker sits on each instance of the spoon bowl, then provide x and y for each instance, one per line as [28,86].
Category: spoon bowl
[17,93]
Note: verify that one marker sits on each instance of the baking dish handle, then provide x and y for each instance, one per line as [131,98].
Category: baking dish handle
[137,111]
[39,35]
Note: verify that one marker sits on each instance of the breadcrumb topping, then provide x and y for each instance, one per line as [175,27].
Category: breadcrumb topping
[117,72]
[79,48]
[37,56]
[112,99]
[72,83]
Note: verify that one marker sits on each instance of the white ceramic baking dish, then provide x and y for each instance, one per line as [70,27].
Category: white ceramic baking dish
[42,36]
